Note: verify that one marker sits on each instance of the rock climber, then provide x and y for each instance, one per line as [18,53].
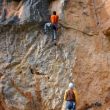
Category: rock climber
[52,26]
[47,27]
[54,21]
[71,97]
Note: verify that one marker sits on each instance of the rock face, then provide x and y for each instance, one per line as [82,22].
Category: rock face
[24,11]
[34,73]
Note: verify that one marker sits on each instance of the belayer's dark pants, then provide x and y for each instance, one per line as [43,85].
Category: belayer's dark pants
[70,105]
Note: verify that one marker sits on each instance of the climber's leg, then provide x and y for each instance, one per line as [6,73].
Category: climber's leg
[55,35]
[52,35]
[3,15]
[55,32]
[46,27]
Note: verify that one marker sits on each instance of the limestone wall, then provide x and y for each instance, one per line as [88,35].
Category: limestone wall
[34,73]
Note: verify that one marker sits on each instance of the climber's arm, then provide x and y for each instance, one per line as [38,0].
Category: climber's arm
[65,95]
[76,95]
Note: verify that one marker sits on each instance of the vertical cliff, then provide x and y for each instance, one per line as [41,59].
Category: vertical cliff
[34,73]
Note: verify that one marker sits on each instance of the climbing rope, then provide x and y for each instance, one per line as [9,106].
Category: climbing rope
[71,27]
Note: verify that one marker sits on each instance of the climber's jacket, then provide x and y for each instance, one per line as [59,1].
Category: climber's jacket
[54,19]
[71,95]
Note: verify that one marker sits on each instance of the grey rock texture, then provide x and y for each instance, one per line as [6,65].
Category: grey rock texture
[34,73]
[36,65]
[35,10]
[26,11]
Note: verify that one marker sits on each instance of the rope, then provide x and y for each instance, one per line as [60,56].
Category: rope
[71,27]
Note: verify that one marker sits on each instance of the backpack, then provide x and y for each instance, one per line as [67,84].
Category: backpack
[70,95]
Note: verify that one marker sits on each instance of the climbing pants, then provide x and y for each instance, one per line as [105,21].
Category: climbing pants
[54,32]
[51,28]
[47,27]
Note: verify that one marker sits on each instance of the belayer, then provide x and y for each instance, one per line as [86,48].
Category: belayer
[52,26]
[70,97]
